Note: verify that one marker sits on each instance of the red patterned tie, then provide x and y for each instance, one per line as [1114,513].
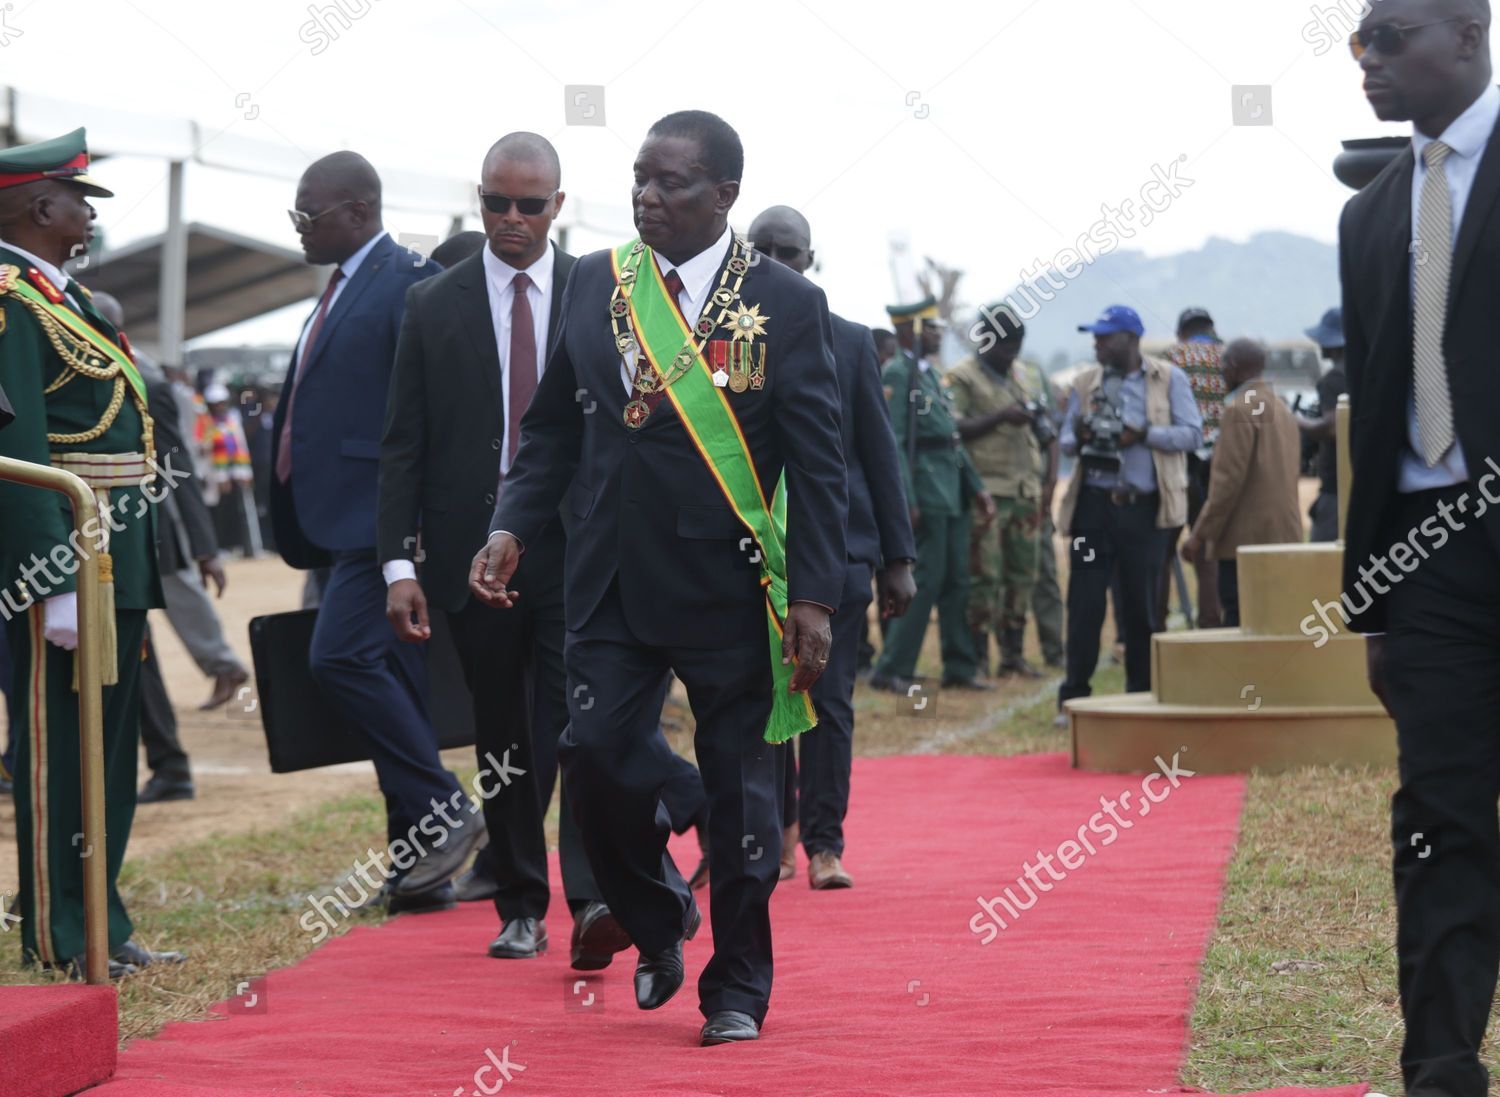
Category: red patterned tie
[284,453]
[674,289]
[522,384]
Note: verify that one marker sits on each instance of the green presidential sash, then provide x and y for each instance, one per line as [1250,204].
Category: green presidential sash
[78,327]
[663,337]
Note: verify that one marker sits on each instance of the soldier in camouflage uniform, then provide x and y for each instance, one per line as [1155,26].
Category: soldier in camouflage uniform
[996,413]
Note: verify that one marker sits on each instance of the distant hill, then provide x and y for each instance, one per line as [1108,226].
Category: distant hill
[1272,286]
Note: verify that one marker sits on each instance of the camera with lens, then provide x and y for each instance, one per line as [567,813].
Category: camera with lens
[1041,423]
[1105,422]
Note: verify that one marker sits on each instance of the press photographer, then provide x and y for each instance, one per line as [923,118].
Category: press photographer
[1013,444]
[1131,423]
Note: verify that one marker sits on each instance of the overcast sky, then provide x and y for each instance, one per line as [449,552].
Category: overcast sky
[989,135]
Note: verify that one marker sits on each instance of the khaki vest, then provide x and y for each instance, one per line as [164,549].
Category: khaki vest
[1171,468]
[1008,459]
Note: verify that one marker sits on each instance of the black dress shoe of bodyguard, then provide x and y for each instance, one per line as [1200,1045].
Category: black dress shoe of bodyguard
[442,861]
[728,1026]
[890,683]
[426,902]
[520,939]
[474,886]
[658,975]
[596,938]
[160,790]
[133,955]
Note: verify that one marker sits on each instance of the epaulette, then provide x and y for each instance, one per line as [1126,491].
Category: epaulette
[9,274]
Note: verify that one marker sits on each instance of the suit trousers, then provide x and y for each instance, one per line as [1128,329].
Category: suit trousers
[1229,593]
[1442,666]
[164,754]
[513,664]
[816,791]
[942,577]
[196,622]
[380,685]
[615,761]
[1107,536]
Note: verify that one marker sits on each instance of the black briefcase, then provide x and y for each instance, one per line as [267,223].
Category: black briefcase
[304,730]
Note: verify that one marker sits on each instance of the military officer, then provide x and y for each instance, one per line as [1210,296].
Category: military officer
[80,405]
[942,487]
[999,419]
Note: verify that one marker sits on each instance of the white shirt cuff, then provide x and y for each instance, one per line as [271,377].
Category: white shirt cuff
[396,570]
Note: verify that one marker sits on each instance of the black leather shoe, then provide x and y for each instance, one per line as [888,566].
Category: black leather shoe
[442,861]
[160,790]
[658,976]
[133,955]
[426,902]
[728,1026]
[77,969]
[596,938]
[890,683]
[473,886]
[520,939]
[978,684]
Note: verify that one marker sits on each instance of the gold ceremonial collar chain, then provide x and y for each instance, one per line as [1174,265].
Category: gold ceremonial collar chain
[724,298]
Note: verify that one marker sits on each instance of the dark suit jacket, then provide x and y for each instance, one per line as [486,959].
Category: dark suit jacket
[7,413]
[184,528]
[644,504]
[879,520]
[1375,236]
[440,457]
[340,397]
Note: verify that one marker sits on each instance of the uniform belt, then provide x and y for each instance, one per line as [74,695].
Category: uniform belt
[1124,497]
[102,471]
[937,443]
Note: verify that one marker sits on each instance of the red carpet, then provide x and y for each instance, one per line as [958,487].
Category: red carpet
[56,1039]
[881,991]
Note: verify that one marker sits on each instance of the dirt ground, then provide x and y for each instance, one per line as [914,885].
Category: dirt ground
[237,791]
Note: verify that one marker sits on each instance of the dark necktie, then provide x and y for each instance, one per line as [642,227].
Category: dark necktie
[522,364]
[674,290]
[284,452]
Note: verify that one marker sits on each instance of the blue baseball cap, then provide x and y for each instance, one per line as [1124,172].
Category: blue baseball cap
[1329,333]
[1116,318]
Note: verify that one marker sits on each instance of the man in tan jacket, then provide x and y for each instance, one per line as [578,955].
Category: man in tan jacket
[1252,492]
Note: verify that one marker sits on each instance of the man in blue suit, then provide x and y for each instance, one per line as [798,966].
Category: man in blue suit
[325,457]
[879,540]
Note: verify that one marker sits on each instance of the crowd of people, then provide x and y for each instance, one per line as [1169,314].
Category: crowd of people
[669,461]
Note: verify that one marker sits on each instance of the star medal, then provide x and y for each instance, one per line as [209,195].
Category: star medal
[746,323]
[635,414]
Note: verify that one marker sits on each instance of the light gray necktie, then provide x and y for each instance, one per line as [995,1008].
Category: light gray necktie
[1434,262]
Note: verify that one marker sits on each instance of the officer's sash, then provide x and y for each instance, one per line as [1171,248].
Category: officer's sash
[76,326]
[663,334]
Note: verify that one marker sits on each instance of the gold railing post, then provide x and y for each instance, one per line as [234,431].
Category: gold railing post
[90,704]
[1346,469]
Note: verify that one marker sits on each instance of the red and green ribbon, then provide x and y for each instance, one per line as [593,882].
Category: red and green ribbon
[715,432]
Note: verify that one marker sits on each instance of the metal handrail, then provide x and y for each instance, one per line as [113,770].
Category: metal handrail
[90,706]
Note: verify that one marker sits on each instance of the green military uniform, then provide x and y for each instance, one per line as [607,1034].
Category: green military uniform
[1046,594]
[78,406]
[941,484]
[1003,554]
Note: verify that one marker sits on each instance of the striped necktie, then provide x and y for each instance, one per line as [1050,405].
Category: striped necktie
[1434,263]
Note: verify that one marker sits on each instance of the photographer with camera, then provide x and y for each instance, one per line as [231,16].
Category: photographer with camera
[1011,440]
[1131,423]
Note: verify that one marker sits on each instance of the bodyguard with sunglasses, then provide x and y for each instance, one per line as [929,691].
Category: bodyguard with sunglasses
[1420,262]
[325,459]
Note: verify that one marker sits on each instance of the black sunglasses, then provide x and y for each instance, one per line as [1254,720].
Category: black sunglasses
[1387,39]
[529,207]
[783,252]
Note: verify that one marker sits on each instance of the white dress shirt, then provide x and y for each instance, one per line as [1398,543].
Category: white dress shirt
[697,276]
[498,278]
[349,266]
[56,275]
[1467,136]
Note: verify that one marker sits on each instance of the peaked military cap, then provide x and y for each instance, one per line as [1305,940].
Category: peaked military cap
[64,158]
[925,309]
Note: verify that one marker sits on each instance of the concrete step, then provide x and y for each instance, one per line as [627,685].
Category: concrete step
[1227,668]
[1125,733]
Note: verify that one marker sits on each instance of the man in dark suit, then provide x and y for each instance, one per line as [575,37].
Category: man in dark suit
[474,343]
[879,540]
[323,498]
[684,386]
[1419,254]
